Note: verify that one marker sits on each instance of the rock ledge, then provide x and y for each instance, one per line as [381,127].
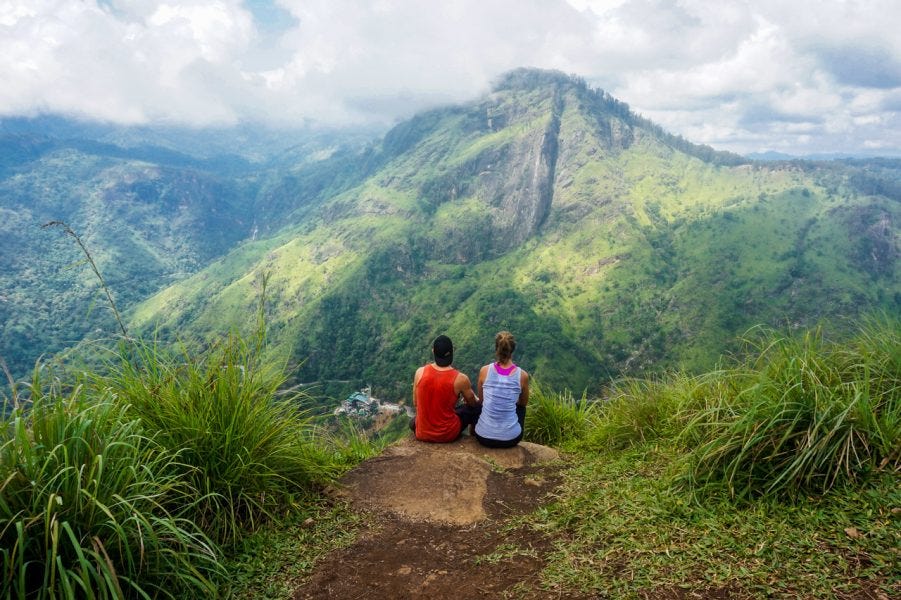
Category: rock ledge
[439,483]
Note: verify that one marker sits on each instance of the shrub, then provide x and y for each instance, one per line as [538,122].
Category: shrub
[635,411]
[554,419]
[808,414]
[83,505]
[249,446]
[350,444]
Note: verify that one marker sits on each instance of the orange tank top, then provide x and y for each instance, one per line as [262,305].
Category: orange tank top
[436,420]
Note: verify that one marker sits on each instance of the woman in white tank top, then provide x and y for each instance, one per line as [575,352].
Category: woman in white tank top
[504,390]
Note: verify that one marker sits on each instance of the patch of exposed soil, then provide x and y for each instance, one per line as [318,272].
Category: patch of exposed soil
[401,559]
[444,483]
[439,515]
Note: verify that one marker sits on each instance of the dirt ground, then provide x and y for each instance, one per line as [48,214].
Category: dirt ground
[442,526]
[440,517]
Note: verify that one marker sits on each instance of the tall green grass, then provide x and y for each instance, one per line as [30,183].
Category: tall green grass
[809,414]
[85,497]
[792,415]
[250,447]
[555,419]
[634,411]
[125,487]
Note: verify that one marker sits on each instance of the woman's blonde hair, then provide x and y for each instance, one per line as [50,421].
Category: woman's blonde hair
[504,345]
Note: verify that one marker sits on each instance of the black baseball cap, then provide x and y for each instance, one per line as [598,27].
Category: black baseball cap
[443,349]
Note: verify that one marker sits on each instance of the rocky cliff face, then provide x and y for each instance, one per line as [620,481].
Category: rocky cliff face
[521,135]
[520,190]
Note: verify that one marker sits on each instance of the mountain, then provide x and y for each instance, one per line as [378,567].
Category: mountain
[548,208]
[150,215]
[773,155]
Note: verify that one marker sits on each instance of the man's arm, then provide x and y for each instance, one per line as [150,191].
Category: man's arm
[462,385]
[416,379]
[524,384]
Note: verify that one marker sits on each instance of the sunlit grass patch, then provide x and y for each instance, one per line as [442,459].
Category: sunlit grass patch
[623,529]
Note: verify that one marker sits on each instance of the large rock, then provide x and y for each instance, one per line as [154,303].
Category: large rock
[441,483]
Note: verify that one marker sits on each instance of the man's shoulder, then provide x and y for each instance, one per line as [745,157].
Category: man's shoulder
[461,381]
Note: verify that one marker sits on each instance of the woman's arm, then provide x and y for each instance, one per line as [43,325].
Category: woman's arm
[524,384]
[483,375]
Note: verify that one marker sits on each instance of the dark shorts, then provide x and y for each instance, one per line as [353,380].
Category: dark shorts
[469,415]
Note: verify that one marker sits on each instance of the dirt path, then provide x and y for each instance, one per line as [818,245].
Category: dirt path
[442,525]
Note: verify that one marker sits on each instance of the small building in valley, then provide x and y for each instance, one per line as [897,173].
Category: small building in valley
[363,404]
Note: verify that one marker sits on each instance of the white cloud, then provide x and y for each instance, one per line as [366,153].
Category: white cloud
[800,76]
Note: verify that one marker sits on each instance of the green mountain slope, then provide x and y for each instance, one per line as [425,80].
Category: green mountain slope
[150,214]
[147,225]
[604,243]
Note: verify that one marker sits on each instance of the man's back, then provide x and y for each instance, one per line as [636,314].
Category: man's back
[436,397]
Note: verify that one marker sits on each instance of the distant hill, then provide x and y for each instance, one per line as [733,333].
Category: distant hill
[151,215]
[548,208]
[772,155]
[251,143]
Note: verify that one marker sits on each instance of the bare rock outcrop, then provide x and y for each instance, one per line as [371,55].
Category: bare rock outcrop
[438,483]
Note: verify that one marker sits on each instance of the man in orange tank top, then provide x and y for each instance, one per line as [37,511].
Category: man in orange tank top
[436,387]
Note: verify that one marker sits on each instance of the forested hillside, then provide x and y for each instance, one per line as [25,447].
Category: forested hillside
[605,244]
[150,214]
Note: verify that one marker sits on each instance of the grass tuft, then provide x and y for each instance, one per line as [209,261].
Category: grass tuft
[84,492]
[555,419]
[635,411]
[805,416]
[350,444]
[249,448]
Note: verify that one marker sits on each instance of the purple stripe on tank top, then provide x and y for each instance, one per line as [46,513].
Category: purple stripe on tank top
[505,371]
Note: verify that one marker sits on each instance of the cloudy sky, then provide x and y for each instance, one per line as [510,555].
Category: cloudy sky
[800,76]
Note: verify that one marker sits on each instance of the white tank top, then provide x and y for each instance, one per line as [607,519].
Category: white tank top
[499,396]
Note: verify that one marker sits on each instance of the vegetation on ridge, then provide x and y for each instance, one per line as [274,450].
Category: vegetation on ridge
[548,209]
[774,476]
[99,470]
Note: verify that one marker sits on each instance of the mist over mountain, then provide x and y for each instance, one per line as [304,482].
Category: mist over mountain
[547,207]
[250,144]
